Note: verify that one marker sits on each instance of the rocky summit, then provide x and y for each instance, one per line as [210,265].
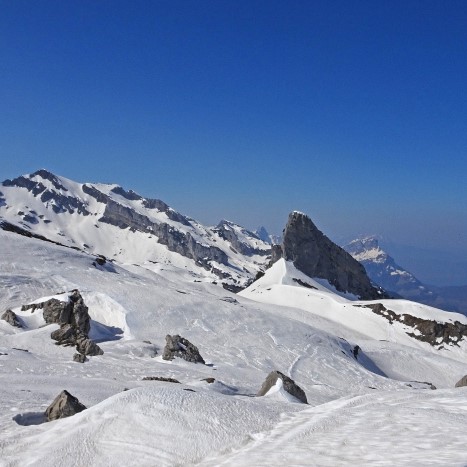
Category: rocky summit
[317,256]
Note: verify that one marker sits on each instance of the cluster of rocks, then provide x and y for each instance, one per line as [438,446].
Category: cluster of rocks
[75,324]
[430,331]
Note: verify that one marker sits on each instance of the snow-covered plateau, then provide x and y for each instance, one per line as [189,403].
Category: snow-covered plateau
[380,388]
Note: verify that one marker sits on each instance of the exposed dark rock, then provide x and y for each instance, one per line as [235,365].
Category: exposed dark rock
[175,240]
[66,335]
[233,288]
[317,256]
[79,358]
[64,405]
[8,227]
[462,382]
[304,284]
[130,195]
[177,346]
[75,323]
[101,260]
[86,346]
[95,193]
[289,386]
[355,351]
[433,332]
[10,317]
[160,378]
[209,380]
[56,311]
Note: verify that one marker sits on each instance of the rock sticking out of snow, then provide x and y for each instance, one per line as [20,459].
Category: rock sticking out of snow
[10,317]
[177,346]
[288,385]
[462,382]
[64,405]
[317,256]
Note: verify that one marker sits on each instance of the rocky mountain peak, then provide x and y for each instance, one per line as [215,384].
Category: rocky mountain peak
[317,256]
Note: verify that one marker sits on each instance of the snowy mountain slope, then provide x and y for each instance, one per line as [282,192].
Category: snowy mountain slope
[383,270]
[122,225]
[133,309]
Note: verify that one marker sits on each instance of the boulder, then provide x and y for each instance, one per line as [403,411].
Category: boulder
[64,405]
[289,386]
[462,382]
[79,358]
[10,317]
[177,346]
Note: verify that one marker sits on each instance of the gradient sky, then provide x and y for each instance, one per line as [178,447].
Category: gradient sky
[354,112]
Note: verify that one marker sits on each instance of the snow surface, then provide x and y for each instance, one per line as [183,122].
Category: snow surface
[376,409]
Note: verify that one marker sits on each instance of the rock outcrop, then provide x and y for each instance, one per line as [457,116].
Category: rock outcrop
[177,346]
[317,256]
[10,317]
[64,405]
[433,332]
[74,320]
[288,384]
[462,382]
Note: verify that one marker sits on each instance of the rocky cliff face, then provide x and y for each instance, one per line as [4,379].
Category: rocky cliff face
[318,257]
[123,225]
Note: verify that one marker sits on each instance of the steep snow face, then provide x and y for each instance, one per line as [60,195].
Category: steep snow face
[359,397]
[124,226]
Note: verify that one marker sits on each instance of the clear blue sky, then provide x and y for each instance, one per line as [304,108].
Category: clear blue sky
[354,112]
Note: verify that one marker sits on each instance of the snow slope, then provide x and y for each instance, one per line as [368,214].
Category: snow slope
[356,405]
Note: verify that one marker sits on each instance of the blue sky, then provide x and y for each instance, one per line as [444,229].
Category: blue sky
[354,112]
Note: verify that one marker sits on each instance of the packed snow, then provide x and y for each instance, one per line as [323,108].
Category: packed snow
[375,408]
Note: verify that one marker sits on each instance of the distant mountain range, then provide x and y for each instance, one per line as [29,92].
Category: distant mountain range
[383,270]
[124,226]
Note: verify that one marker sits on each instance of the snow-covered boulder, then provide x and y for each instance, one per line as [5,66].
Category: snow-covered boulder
[288,385]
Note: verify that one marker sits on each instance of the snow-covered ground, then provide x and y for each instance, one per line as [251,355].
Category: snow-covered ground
[376,409]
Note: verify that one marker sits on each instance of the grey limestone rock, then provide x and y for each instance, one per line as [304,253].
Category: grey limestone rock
[79,358]
[317,256]
[10,317]
[462,382]
[289,386]
[177,346]
[56,311]
[64,405]
[75,323]
[87,346]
